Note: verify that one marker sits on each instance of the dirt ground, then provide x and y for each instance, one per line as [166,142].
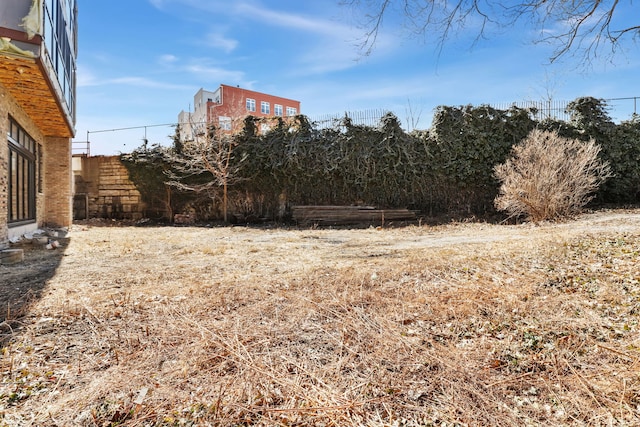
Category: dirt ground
[297,249]
[125,325]
[22,283]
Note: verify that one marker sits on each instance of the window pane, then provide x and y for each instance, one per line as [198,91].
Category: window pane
[225,122]
[22,175]
[292,111]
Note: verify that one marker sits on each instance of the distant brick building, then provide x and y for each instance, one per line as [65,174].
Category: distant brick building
[226,105]
[38,50]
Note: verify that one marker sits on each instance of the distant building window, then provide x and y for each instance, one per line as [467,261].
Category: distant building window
[264,128]
[225,122]
[251,104]
[277,110]
[292,111]
[265,108]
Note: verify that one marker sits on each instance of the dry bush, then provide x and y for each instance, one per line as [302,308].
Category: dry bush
[549,177]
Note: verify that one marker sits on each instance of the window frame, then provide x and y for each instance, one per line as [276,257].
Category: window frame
[265,107]
[292,111]
[224,122]
[251,105]
[22,165]
[277,110]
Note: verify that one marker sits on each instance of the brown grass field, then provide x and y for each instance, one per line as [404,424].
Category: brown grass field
[465,324]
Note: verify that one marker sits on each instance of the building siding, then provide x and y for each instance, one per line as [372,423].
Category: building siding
[228,102]
[9,107]
[4,170]
[58,192]
[53,204]
[233,102]
[42,103]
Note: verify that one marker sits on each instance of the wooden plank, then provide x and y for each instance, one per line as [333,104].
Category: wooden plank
[27,82]
[337,215]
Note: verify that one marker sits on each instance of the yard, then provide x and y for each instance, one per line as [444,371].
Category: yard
[457,324]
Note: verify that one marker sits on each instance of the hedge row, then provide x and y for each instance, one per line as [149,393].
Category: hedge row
[448,168]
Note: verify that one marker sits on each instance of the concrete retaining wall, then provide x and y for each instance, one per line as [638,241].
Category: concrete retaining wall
[103,189]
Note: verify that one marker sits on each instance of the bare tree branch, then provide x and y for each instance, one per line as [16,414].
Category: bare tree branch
[208,163]
[583,27]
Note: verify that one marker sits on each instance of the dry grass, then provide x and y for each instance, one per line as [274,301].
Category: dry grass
[468,324]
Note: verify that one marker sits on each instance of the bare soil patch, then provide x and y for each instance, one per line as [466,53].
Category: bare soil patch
[474,324]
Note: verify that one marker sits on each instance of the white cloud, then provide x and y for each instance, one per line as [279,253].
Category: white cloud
[319,44]
[219,41]
[144,82]
[207,73]
[168,59]
[158,3]
[86,78]
[296,21]
[217,6]
[330,46]
[325,58]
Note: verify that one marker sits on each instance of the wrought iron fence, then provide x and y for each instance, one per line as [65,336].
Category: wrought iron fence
[619,109]
[540,110]
[370,117]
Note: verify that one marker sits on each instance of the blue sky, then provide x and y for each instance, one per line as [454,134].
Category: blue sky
[141,61]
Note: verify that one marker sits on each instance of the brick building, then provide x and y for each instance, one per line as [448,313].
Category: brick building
[226,106]
[38,50]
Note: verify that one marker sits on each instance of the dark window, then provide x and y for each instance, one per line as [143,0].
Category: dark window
[60,39]
[22,175]
[40,169]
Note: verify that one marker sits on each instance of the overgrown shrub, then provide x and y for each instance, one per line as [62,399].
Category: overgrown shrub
[549,177]
[466,143]
[147,170]
[447,169]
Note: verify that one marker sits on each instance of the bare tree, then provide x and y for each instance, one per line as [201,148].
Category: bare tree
[208,163]
[571,26]
[413,115]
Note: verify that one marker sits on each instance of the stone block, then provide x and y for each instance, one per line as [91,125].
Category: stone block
[11,256]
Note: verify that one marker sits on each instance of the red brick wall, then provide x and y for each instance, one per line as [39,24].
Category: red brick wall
[234,103]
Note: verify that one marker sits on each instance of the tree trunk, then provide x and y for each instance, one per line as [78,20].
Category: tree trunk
[224,200]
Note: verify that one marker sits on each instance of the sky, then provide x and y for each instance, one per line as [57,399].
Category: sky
[140,63]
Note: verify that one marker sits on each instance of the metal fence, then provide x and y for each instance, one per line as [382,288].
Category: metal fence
[81,148]
[370,117]
[619,109]
[540,110]
[623,108]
